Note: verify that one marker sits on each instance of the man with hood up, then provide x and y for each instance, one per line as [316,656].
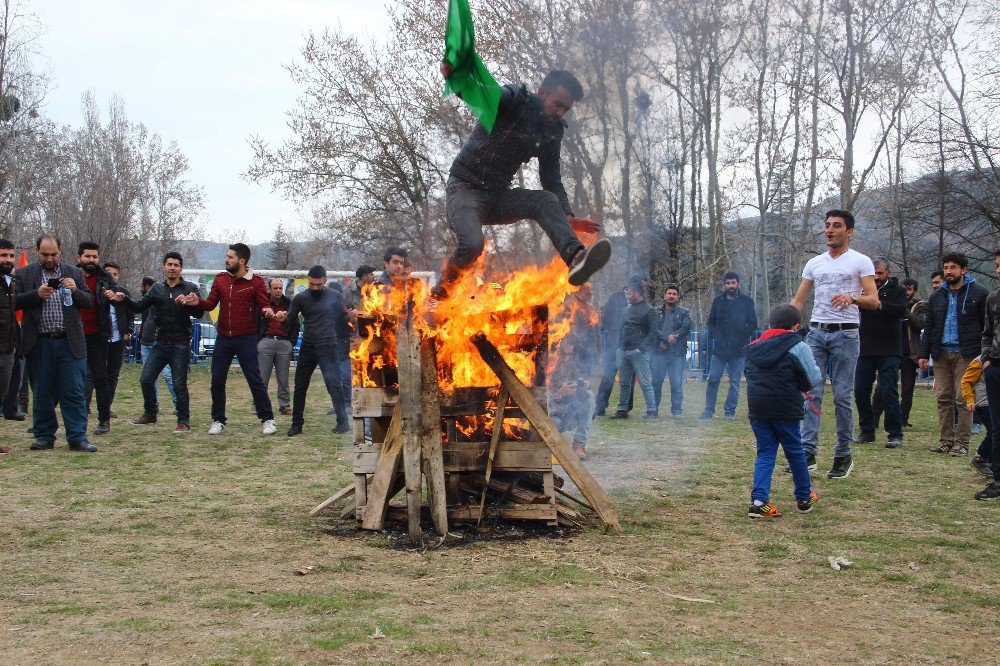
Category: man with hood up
[881,355]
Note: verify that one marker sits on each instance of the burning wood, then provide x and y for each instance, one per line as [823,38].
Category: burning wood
[434,388]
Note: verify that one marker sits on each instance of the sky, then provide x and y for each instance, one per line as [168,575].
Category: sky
[206,74]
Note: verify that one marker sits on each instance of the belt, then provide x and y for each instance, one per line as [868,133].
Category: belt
[276,337]
[53,336]
[168,341]
[832,327]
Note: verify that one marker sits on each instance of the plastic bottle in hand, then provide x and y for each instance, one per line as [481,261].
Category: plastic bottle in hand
[67,296]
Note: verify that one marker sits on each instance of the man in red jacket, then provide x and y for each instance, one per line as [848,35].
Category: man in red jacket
[241,296]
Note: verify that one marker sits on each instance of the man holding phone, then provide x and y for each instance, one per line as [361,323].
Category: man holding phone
[52,294]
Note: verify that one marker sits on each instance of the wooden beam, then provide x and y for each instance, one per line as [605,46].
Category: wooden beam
[410,382]
[385,473]
[430,437]
[502,399]
[337,496]
[549,432]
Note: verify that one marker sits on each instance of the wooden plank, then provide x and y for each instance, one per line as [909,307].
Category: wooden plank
[385,474]
[408,366]
[549,433]
[503,489]
[366,457]
[372,401]
[337,496]
[472,401]
[470,512]
[510,457]
[430,437]
[502,399]
[360,492]
[565,494]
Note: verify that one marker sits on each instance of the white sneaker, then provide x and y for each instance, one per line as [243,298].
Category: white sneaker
[217,428]
[270,427]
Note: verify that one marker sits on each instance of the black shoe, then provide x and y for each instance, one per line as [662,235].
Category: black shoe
[103,428]
[619,415]
[591,260]
[600,412]
[83,447]
[982,466]
[989,493]
[31,430]
[810,464]
[43,446]
[342,429]
[841,468]
[866,437]
[894,442]
[294,430]
[16,416]
[651,414]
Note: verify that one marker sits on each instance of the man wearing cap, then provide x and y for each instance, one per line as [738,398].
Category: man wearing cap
[275,339]
[731,323]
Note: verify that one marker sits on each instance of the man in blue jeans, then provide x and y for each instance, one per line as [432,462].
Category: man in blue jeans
[147,337]
[323,312]
[844,280]
[731,324]
[52,294]
[670,355]
[172,341]
[639,334]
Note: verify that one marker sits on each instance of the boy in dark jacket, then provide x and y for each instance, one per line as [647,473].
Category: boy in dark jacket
[780,368]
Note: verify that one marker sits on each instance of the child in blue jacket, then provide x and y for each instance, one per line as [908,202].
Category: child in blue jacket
[780,367]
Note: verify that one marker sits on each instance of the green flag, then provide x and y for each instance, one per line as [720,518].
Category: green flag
[470,79]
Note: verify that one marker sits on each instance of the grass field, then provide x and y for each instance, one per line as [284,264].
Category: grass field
[183,549]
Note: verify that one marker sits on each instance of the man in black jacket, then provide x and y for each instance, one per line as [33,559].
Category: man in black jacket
[956,317]
[639,334]
[731,324]
[275,339]
[527,125]
[670,355]
[881,355]
[121,333]
[8,320]
[611,328]
[172,344]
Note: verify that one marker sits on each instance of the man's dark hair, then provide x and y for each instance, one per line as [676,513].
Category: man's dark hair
[731,275]
[939,274]
[336,286]
[910,282]
[45,237]
[842,214]
[395,252]
[148,281]
[560,77]
[242,251]
[997,253]
[6,244]
[675,287]
[174,255]
[364,269]
[317,272]
[880,261]
[955,258]
[784,316]
[635,284]
[111,264]
[87,245]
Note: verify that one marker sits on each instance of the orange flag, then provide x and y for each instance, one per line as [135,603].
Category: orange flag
[23,261]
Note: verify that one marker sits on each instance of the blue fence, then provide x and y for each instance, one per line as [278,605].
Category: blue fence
[202,343]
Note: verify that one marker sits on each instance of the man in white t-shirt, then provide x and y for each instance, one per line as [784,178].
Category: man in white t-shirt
[844,280]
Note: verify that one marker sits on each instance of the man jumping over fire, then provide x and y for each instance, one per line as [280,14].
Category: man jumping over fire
[514,126]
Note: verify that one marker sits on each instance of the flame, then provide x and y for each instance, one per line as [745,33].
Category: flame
[508,307]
